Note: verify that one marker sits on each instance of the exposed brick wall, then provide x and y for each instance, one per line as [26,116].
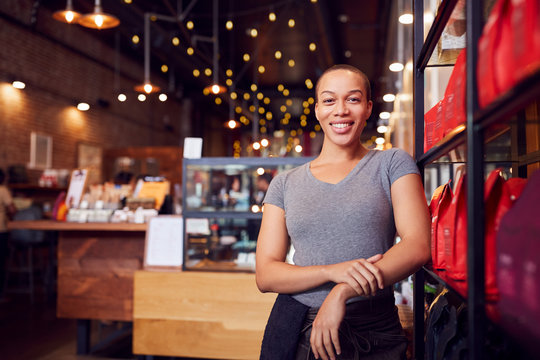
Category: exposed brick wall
[57,76]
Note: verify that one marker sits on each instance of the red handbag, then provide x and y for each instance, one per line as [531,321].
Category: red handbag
[438,206]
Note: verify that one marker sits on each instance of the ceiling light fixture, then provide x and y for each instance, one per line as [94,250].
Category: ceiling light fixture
[215,88]
[82,106]
[18,84]
[406,19]
[389,97]
[147,86]
[385,115]
[396,67]
[68,15]
[99,19]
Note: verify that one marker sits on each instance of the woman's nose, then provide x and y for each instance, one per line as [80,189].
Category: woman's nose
[341,108]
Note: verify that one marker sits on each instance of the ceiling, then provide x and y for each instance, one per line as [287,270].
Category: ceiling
[344,31]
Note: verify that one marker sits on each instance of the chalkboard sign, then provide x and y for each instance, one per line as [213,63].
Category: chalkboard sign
[164,243]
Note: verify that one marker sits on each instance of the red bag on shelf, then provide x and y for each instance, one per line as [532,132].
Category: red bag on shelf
[429,128]
[454,228]
[438,207]
[485,68]
[454,95]
[509,48]
[518,242]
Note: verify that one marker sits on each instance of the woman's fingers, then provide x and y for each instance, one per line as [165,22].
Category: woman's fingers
[375,271]
[328,346]
[334,333]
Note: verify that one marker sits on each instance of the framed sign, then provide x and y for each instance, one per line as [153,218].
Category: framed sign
[164,245]
[77,183]
[40,151]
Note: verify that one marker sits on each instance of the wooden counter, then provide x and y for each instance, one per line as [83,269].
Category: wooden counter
[96,263]
[199,314]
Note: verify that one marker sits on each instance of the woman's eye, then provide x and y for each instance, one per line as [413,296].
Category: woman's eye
[328,101]
[354,100]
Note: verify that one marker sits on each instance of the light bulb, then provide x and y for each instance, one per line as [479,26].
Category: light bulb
[256,145]
[389,97]
[406,19]
[385,115]
[395,67]
[215,89]
[122,97]
[231,124]
[83,106]
[147,88]
[99,20]
[382,129]
[162,97]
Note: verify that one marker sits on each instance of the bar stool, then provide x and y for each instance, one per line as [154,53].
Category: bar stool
[21,244]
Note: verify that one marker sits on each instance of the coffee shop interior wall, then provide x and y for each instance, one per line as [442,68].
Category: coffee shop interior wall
[62,64]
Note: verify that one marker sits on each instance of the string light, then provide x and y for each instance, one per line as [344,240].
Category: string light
[272,16]
[291,23]
[190,25]
[18,84]
[135,39]
[312,46]
[162,97]
[280,87]
[175,41]
[253,87]
[229,82]
[246,57]
[141,97]
[164,68]
[190,50]
[208,72]
[229,25]
[196,73]
[122,97]
[234,95]
[277,54]
[261,69]
[385,115]
[229,72]
[253,33]
[83,106]
[291,63]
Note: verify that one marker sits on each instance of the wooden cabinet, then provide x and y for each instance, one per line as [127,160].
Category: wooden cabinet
[199,314]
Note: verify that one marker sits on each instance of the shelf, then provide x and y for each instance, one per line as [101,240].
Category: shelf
[452,140]
[222,214]
[458,288]
[510,102]
[51,225]
[23,187]
[434,34]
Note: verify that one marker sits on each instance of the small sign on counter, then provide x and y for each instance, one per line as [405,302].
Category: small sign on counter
[164,246]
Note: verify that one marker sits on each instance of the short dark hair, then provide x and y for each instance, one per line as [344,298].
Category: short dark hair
[2,176]
[349,68]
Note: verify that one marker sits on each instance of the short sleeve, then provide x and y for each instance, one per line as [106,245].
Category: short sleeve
[401,163]
[275,193]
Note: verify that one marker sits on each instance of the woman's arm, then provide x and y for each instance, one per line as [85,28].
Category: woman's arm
[273,274]
[413,223]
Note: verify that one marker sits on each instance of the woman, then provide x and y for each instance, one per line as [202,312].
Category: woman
[341,212]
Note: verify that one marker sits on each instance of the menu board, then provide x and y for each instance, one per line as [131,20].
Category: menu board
[164,246]
[77,183]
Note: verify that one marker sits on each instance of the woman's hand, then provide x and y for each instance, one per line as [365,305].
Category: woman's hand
[324,338]
[360,274]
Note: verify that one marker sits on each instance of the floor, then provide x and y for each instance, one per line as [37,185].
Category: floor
[32,331]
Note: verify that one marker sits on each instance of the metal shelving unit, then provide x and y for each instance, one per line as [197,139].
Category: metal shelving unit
[472,134]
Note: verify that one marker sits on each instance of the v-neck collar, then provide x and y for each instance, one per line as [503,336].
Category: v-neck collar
[349,175]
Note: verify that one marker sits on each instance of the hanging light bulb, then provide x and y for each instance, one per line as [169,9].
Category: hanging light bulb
[68,15]
[98,19]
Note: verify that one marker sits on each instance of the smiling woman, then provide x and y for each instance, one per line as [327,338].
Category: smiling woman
[341,212]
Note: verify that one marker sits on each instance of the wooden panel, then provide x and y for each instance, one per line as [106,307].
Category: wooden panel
[194,339]
[95,274]
[201,314]
[70,226]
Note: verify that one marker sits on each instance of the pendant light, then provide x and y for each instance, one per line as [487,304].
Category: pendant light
[215,88]
[68,15]
[98,19]
[147,86]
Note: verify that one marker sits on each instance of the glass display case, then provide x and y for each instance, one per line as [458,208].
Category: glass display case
[222,209]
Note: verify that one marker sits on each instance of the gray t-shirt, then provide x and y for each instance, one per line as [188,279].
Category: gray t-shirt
[332,223]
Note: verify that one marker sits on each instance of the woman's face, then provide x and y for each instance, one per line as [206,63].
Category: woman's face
[342,107]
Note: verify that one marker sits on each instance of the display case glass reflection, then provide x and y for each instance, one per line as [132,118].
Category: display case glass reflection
[221,244]
[237,188]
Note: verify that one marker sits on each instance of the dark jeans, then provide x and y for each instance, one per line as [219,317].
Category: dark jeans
[370,330]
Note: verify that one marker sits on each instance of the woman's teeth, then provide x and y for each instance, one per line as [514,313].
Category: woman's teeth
[341,125]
